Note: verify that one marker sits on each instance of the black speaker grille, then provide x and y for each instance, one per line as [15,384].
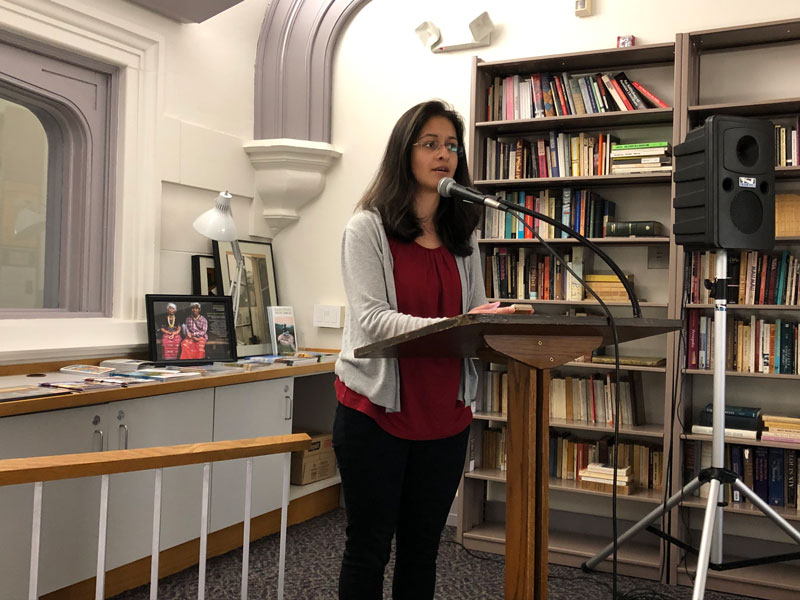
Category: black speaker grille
[747,214]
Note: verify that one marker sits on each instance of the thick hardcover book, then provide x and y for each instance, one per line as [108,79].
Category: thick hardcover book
[776,476]
[761,472]
[642,361]
[790,477]
[630,91]
[745,434]
[731,421]
[741,411]
[737,467]
[634,229]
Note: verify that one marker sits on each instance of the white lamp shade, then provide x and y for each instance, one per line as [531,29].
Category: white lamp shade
[217,223]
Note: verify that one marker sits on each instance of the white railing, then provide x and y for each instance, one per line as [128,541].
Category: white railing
[38,470]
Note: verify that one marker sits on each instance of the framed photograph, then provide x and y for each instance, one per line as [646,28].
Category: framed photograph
[258,291]
[190,330]
[204,276]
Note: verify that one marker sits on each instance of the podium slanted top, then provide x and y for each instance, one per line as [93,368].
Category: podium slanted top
[465,335]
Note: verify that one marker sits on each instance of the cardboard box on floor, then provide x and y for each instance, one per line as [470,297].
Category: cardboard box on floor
[318,462]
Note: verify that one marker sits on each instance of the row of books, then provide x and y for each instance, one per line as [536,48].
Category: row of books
[786,144]
[753,277]
[770,472]
[751,346]
[495,391]
[641,465]
[520,274]
[493,448]
[593,399]
[545,94]
[552,155]
[583,210]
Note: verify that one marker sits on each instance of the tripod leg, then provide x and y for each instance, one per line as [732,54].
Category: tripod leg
[767,510]
[645,522]
[705,542]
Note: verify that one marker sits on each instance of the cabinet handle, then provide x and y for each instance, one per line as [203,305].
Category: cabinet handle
[123,435]
[289,406]
[98,435]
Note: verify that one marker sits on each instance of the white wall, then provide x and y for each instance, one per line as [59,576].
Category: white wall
[381,69]
[206,74]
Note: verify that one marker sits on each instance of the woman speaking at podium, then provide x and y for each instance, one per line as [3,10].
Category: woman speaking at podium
[409,259]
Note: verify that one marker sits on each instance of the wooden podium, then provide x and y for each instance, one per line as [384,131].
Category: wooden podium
[530,345]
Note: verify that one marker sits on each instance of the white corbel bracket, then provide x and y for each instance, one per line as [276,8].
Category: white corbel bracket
[288,174]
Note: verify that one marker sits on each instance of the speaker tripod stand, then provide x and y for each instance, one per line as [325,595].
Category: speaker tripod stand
[716,476]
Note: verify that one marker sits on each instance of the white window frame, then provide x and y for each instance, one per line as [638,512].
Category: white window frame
[137,53]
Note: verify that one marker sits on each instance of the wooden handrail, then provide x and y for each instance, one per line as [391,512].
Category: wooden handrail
[68,466]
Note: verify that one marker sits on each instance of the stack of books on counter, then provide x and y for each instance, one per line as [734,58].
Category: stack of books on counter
[600,478]
[740,421]
[646,157]
[781,429]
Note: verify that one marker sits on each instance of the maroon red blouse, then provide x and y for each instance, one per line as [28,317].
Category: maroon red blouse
[428,285]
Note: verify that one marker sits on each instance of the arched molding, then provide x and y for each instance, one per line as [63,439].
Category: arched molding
[293,67]
[291,150]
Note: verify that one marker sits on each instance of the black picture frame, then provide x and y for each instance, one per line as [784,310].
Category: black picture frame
[220,339]
[204,276]
[258,291]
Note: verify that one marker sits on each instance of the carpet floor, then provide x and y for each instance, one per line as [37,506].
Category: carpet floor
[313,556]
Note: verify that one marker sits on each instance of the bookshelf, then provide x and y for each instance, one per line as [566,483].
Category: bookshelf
[699,75]
[709,85]
[638,196]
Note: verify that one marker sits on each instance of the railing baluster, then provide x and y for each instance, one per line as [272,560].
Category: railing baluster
[155,549]
[100,582]
[201,582]
[36,529]
[248,487]
[287,457]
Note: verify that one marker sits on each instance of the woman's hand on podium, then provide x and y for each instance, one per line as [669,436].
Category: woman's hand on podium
[492,308]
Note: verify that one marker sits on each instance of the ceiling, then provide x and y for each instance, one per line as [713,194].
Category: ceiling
[187,11]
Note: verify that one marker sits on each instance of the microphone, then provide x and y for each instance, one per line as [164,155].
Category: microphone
[448,188]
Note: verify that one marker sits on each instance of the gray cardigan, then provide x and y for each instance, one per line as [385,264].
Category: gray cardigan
[367,270]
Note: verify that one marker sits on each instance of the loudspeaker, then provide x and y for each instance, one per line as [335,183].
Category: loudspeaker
[724,177]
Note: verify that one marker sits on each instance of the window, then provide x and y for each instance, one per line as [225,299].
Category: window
[57,134]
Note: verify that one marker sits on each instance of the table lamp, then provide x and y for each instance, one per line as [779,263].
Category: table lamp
[217,224]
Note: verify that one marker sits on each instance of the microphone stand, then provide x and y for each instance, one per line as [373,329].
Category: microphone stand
[505,206]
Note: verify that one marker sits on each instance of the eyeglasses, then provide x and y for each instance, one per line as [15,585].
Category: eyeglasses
[434,145]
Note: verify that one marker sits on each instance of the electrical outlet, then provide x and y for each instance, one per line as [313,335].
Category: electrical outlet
[657,257]
[328,316]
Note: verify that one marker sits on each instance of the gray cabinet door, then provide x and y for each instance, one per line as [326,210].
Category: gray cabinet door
[249,410]
[70,508]
[181,418]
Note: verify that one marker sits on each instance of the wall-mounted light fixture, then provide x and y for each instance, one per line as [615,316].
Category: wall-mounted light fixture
[481,28]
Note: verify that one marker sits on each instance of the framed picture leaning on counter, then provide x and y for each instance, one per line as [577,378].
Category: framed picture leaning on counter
[190,330]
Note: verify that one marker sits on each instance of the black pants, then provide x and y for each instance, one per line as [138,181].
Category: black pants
[393,486]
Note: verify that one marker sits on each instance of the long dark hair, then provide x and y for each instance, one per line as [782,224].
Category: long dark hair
[392,190]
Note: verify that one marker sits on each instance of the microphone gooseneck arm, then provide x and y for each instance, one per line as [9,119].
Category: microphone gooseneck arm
[449,188]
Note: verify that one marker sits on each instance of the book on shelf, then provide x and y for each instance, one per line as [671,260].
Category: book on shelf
[750,434]
[638,361]
[635,229]
[732,421]
[608,469]
[282,329]
[648,96]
